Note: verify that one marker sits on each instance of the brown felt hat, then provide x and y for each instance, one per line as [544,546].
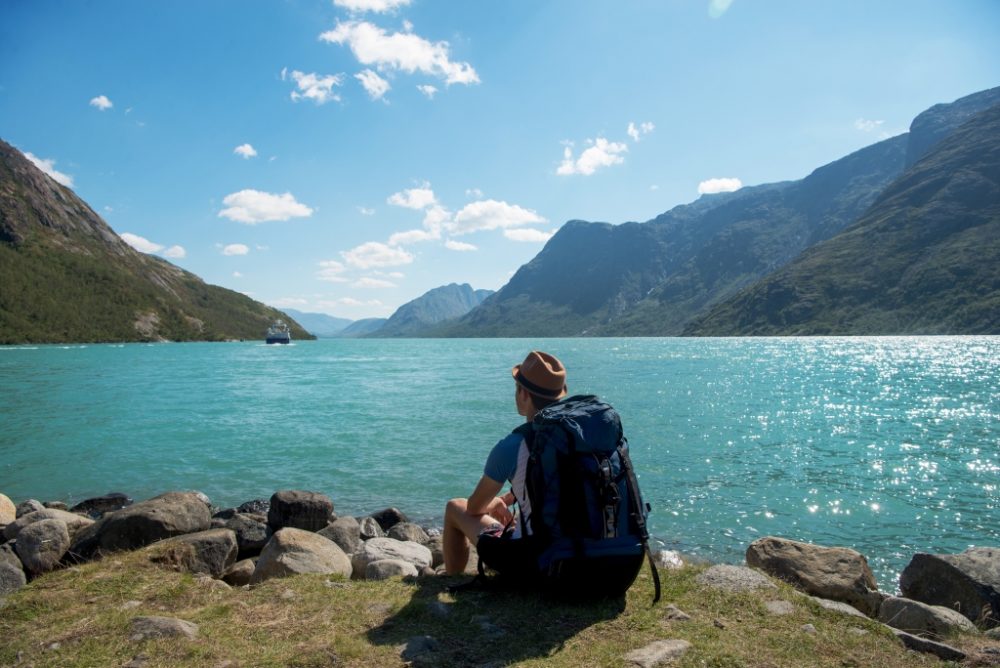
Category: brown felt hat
[541,374]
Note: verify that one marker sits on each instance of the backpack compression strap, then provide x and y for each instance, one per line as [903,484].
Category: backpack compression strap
[640,520]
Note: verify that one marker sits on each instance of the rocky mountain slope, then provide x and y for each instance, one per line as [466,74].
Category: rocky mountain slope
[432,308]
[925,259]
[319,324]
[655,278]
[65,276]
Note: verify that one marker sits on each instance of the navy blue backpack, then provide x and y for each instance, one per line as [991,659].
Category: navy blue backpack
[588,519]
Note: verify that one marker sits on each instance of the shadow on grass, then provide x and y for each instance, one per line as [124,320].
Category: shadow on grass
[485,628]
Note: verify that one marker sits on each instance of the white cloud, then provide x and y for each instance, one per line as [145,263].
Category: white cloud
[378,6]
[428,90]
[141,244]
[246,151]
[349,301]
[253,206]
[330,271]
[602,153]
[435,218]
[404,51]
[376,254]
[375,85]
[490,215]
[654,187]
[451,244]
[474,193]
[47,165]
[315,87]
[717,8]
[101,102]
[175,252]
[237,274]
[527,234]
[414,198]
[372,283]
[724,185]
[635,132]
[235,249]
[365,211]
[866,125]
[393,274]
[412,237]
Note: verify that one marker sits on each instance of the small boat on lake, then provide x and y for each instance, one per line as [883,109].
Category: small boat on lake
[279,333]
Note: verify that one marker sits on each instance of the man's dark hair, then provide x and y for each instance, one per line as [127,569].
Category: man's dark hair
[540,402]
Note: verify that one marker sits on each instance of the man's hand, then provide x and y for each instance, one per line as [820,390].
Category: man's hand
[499,511]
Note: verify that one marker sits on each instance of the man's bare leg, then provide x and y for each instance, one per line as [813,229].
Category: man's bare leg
[460,529]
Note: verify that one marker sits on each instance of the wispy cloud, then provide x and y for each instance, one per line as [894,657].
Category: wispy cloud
[288,302]
[428,90]
[365,211]
[865,125]
[527,234]
[414,198]
[491,215]
[312,86]
[374,85]
[376,254]
[47,165]
[412,236]
[377,6]
[716,8]
[601,153]
[175,252]
[400,51]
[369,283]
[253,207]
[235,249]
[331,271]
[141,244]
[636,132]
[245,151]
[101,102]
[460,246]
[723,185]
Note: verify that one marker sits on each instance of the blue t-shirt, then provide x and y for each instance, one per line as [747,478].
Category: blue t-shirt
[502,462]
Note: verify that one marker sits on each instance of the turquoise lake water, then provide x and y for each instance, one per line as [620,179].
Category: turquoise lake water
[887,445]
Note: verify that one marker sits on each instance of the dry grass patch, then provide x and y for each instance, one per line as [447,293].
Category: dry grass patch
[82,617]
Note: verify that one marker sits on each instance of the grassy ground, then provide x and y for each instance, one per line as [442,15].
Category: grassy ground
[81,617]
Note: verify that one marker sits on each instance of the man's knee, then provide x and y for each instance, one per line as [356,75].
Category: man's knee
[455,507]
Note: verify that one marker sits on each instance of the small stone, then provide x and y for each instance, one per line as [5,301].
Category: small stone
[837,606]
[130,605]
[658,653]
[942,651]
[669,559]
[369,529]
[53,646]
[383,569]
[408,531]
[675,614]
[719,624]
[417,647]
[144,628]
[780,608]
[29,506]
[855,631]
[993,634]
[288,595]
[734,578]
[809,628]
[56,505]
[138,661]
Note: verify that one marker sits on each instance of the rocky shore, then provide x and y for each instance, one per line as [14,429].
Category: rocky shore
[297,532]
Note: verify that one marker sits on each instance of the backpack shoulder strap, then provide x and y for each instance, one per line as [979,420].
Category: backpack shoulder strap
[638,513]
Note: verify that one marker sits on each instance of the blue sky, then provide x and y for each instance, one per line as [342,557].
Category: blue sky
[345,156]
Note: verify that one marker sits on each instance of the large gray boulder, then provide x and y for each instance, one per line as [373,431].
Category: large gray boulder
[8,511]
[378,549]
[836,573]
[389,517]
[29,506]
[968,582]
[734,579]
[933,621]
[383,569]
[12,578]
[408,531]
[252,533]
[291,551]
[370,528]
[211,552]
[41,545]
[298,509]
[240,573]
[74,523]
[165,516]
[99,505]
[345,532]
